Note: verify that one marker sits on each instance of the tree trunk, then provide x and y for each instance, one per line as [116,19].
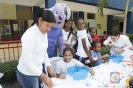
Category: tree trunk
[125,24]
[125,18]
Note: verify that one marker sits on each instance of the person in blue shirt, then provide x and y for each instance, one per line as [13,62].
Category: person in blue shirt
[96,55]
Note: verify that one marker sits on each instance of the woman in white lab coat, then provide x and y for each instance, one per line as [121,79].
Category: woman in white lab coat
[119,43]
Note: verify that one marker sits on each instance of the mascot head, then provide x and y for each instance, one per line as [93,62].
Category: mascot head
[61,13]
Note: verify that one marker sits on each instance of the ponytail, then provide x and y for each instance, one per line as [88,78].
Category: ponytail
[46,15]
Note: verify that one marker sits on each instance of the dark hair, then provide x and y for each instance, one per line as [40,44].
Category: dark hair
[91,28]
[77,20]
[71,28]
[46,15]
[68,49]
[104,32]
[114,33]
[94,43]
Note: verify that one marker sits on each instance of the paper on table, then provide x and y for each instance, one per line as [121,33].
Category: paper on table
[55,81]
[105,71]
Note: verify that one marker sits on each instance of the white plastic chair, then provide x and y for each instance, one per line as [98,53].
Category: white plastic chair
[53,62]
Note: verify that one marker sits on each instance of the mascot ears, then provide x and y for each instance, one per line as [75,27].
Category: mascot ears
[61,13]
[67,11]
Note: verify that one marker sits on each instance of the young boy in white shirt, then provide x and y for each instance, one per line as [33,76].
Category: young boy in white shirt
[83,53]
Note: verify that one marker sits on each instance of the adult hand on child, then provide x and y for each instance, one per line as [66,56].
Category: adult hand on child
[61,76]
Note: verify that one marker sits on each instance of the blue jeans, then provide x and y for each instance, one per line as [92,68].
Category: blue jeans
[27,81]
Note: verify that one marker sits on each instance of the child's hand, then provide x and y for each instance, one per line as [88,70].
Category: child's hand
[61,76]
[89,39]
[106,55]
[92,72]
[131,48]
[74,38]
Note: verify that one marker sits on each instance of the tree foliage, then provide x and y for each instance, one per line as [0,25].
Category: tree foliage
[101,4]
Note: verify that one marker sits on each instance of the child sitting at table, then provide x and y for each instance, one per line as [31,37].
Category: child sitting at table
[96,53]
[68,61]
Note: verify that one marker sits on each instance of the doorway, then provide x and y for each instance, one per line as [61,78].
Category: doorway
[121,27]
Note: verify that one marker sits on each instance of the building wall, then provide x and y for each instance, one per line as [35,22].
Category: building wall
[30,22]
[98,20]
[26,13]
[116,27]
[103,23]
[8,11]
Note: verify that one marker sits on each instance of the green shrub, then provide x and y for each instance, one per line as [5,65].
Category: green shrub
[105,50]
[9,70]
[130,36]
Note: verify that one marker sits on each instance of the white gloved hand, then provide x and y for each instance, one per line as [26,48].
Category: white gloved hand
[87,61]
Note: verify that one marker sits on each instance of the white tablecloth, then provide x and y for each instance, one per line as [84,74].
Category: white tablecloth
[101,79]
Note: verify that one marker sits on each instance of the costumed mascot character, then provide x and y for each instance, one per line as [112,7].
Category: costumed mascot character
[55,35]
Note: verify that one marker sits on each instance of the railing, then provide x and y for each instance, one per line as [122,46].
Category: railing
[9,50]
